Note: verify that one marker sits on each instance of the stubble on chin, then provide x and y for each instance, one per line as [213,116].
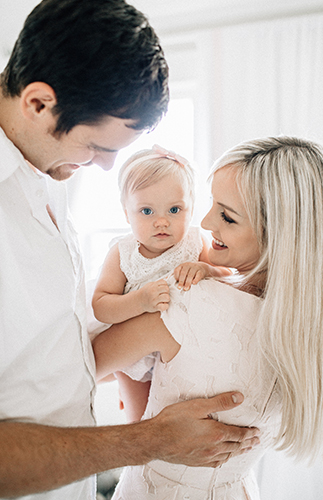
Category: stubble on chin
[59,174]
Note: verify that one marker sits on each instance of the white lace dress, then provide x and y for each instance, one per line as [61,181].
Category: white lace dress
[215,326]
[139,270]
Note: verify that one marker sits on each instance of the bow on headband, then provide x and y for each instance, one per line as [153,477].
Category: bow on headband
[164,153]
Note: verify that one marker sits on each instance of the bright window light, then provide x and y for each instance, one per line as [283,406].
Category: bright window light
[95,206]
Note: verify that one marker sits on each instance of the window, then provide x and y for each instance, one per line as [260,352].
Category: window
[96,208]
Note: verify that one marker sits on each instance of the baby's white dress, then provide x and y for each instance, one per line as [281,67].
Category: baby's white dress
[215,324]
[139,270]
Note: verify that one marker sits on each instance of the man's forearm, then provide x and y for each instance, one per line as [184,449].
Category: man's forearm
[35,458]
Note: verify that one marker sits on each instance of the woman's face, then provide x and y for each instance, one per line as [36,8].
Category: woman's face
[234,242]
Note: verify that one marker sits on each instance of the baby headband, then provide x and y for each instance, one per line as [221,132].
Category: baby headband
[160,152]
[164,153]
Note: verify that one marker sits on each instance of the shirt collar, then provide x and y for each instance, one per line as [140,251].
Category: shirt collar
[10,157]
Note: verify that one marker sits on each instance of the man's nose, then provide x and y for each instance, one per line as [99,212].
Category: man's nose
[105,160]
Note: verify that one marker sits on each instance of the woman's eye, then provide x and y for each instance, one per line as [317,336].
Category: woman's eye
[174,210]
[147,211]
[227,219]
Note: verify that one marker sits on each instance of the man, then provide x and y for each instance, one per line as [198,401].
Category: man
[83,81]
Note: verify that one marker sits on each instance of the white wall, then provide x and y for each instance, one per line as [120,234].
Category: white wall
[171,17]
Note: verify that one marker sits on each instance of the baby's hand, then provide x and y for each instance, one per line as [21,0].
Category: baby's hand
[221,272]
[190,273]
[155,296]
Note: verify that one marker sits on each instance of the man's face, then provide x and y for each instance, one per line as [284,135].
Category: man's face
[85,145]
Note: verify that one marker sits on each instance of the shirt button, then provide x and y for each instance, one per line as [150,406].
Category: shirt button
[39,193]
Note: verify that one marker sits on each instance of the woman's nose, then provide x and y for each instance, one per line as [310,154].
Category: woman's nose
[205,224]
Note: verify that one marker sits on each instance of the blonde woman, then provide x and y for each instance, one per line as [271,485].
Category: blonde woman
[259,332]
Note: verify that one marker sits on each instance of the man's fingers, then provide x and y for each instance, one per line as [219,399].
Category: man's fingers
[223,458]
[239,434]
[247,444]
[235,449]
[229,450]
[222,402]
[210,441]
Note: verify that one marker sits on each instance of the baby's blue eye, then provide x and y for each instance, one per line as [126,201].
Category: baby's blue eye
[147,211]
[174,210]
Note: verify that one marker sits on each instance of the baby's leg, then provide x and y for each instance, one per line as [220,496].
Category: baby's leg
[133,396]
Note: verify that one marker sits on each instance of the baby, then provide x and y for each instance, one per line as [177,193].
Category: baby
[157,194]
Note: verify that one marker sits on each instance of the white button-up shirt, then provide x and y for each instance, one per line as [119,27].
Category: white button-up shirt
[46,362]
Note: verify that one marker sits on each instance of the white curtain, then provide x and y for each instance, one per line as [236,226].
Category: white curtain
[280,478]
[267,79]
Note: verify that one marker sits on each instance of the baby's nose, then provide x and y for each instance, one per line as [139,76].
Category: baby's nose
[161,222]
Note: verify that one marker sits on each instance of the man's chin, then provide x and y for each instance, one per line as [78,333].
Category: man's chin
[62,173]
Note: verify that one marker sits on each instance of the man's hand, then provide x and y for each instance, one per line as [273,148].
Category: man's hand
[192,438]
[35,458]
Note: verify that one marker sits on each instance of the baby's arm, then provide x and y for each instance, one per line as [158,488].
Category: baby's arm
[111,306]
[190,273]
[125,343]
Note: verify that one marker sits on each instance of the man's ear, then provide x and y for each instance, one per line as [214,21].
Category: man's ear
[37,101]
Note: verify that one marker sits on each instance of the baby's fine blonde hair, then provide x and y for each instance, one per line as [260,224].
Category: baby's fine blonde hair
[148,166]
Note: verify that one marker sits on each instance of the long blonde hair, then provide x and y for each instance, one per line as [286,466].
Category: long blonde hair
[281,183]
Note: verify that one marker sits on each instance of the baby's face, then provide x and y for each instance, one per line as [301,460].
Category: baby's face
[159,215]
[234,242]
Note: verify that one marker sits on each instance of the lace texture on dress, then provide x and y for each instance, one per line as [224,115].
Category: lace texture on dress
[217,327]
[140,270]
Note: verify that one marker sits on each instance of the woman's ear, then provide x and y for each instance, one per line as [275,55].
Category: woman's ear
[37,101]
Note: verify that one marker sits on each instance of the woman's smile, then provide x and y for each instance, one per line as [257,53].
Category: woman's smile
[218,245]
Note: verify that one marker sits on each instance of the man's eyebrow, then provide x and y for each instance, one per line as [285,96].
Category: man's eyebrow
[102,148]
[229,208]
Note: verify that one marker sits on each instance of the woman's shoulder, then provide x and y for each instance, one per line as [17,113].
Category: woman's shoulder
[211,296]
